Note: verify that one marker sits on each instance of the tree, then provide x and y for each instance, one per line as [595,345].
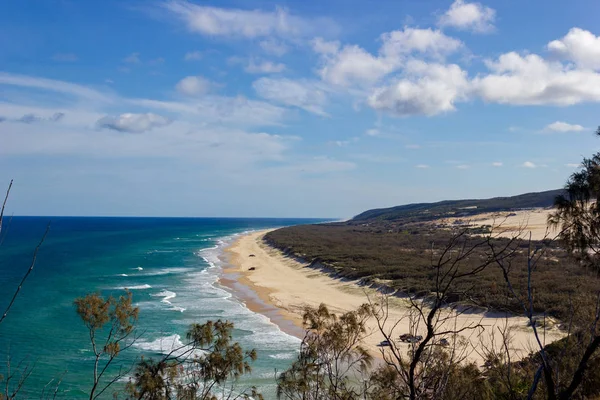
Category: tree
[110,323]
[208,363]
[577,215]
[332,363]
[437,350]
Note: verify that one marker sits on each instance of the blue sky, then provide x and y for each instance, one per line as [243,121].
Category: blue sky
[293,108]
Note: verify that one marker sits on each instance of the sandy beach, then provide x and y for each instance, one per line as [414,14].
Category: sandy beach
[281,287]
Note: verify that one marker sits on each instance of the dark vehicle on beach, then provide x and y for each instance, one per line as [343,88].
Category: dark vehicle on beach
[408,338]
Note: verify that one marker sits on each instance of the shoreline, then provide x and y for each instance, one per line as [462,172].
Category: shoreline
[280,287]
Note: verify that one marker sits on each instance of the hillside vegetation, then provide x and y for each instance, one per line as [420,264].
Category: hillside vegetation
[420,212]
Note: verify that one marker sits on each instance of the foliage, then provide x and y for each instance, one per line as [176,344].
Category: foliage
[332,360]
[110,322]
[578,213]
[205,368]
[401,260]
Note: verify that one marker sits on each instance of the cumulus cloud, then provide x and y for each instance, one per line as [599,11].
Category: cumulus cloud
[529,164]
[473,17]
[422,41]
[497,164]
[193,86]
[463,166]
[232,22]
[532,80]
[560,126]
[579,46]
[422,166]
[263,67]
[302,94]
[353,65]
[133,123]
[427,89]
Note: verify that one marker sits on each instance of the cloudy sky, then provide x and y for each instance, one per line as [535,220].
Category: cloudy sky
[292,108]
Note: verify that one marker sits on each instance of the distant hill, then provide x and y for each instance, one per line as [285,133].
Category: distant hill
[457,208]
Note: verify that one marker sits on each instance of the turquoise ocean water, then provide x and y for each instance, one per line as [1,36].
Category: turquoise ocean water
[170,264]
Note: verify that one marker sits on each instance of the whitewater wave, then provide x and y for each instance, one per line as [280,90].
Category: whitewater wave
[135,287]
[167,271]
[123,275]
[166,295]
[171,344]
[284,356]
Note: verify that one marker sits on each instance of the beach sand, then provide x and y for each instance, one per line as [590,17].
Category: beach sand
[281,287]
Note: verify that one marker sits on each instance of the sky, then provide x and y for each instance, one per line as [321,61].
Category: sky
[291,109]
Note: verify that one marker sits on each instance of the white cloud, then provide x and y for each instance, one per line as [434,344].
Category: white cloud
[579,46]
[497,164]
[422,166]
[473,17]
[133,58]
[193,86]
[302,94]
[352,65]
[231,22]
[427,89]
[72,89]
[573,165]
[65,57]
[322,46]
[373,132]
[193,55]
[413,40]
[274,47]
[531,80]
[236,111]
[529,164]
[463,166]
[133,123]
[559,126]
[264,67]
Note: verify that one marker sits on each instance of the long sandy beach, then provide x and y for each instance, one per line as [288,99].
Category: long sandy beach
[281,287]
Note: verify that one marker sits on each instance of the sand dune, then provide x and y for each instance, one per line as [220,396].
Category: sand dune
[290,286]
[510,223]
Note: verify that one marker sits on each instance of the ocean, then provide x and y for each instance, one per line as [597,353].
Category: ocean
[171,265]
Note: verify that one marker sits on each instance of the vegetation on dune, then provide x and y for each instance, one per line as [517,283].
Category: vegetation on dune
[402,261]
